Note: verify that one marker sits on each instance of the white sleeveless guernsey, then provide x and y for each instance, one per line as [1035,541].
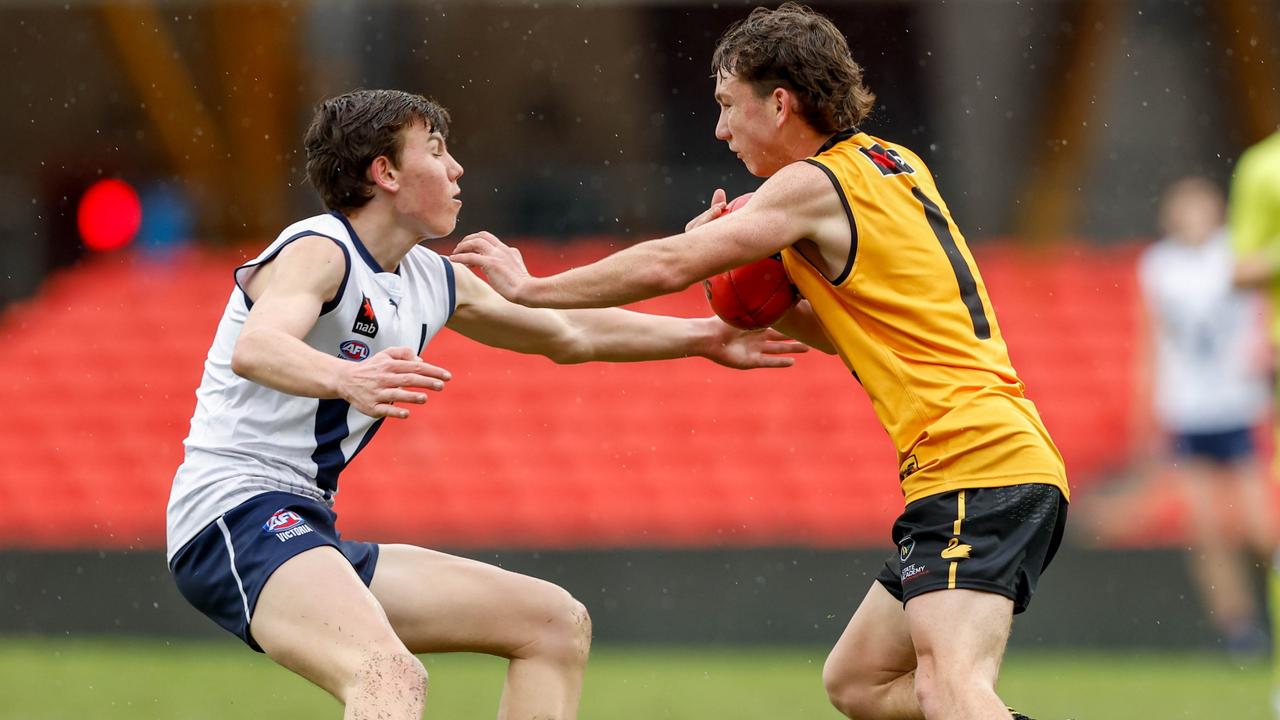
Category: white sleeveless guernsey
[247,439]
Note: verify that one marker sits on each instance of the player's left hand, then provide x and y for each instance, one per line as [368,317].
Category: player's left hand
[750,349]
[719,201]
[502,264]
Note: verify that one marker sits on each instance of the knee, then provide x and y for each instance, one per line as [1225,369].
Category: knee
[937,686]
[848,692]
[564,631]
[395,672]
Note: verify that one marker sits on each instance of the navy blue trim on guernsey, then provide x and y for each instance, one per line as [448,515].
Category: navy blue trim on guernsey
[373,430]
[848,213]
[453,288]
[422,339]
[331,429]
[360,248]
[326,308]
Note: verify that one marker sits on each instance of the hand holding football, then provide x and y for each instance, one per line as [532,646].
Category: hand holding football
[755,295]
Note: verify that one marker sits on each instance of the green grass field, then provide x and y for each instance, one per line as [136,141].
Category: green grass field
[137,679]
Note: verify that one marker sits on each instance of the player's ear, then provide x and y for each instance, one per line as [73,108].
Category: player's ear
[384,174]
[784,105]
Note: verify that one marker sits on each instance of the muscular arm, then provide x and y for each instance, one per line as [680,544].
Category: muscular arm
[614,335]
[287,296]
[797,202]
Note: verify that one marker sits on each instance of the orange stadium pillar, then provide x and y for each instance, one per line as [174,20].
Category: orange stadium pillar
[166,88]
[1051,203]
[1250,35]
[256,47]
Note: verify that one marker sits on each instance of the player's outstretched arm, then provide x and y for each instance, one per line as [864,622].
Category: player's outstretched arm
[787,207]
[287,295]
[612,335]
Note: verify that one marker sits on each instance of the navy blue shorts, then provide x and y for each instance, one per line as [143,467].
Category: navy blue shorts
[1221,448]
[222,570]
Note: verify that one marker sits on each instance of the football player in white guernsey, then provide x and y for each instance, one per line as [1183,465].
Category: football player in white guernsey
[319,343]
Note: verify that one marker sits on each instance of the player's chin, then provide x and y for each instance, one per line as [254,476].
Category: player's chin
[761,169]
[443,226]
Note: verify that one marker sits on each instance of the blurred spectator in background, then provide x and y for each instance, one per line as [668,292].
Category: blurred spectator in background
[1208,391]
[1255,235]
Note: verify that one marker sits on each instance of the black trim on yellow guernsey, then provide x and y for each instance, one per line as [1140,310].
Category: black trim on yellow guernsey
[848,212]
[837,138]
[964,276]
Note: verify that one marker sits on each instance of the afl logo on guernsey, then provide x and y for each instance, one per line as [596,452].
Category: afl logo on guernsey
[354,350]
[282,520]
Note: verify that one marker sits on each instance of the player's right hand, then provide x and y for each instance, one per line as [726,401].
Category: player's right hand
[719,201]
[374,386]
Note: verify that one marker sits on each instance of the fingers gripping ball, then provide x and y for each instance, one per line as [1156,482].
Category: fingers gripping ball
[753,296]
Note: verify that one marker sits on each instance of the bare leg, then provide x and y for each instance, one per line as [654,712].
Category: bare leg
[870,673]
[1256,499]
[960,637]
[1215,560]
[441,603]
[317,618]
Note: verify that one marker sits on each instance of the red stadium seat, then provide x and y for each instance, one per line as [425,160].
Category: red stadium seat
[102,366]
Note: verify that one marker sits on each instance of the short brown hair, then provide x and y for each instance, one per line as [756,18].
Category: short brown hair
[796,48]
[349,131]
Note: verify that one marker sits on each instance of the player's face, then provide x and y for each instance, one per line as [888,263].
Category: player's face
[750,124]
[428,183]
[1192,216]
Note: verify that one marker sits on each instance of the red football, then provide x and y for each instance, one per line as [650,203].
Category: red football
[753,296]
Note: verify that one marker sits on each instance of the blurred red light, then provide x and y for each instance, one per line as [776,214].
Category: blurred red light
[109,215]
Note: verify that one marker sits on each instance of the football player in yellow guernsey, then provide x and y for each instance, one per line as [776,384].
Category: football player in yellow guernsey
[888,283]
[1254,222]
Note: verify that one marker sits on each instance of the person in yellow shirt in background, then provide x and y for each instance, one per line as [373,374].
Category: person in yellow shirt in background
[889,284]
[1254,220]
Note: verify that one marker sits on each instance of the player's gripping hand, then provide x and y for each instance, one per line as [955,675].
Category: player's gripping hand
[502,264]
[750,349]
[374,386]
[719,201]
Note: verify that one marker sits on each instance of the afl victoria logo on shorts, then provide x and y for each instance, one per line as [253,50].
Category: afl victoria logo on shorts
[286,524]
[354,350]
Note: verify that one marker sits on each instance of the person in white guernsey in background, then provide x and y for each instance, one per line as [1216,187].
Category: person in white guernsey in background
[319,343]
[1206,362]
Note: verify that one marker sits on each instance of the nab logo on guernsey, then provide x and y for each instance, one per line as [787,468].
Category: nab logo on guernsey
[354,350]
[285,525]
[366,321]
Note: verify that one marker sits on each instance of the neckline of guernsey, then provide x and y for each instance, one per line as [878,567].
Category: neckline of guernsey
[361,250]
[837,138]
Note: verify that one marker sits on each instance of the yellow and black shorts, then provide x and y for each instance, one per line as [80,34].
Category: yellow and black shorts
[996,540]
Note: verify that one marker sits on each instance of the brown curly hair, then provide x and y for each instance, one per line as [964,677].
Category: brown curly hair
[802,51]
[349,131]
